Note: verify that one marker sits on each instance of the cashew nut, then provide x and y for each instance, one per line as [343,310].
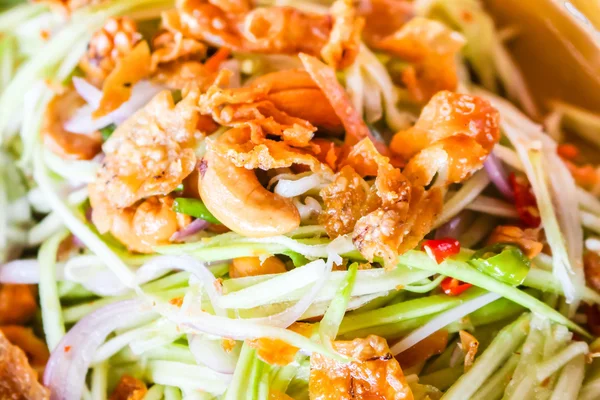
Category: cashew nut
[235,196]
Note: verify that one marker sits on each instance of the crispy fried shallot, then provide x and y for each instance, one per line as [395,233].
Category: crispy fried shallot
[149,154]
[272,30]
[130,69]
[452,137]
[375,374]
[249,107]
[432,49]
[469,345]
[386,218]
[294,92]
[237,147]
[528,240]
[18,381]
[395,13]
[108,46]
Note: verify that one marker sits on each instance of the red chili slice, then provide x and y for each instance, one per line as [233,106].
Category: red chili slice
[454,287]
[440,249]
[525,201]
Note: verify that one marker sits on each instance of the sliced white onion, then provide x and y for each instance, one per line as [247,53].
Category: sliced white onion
[24,272]
[91,273]
[293,188]
[194,227]
[210,352]
[69,363]
[90,93]
[162,264]
[442,321]
[84,123]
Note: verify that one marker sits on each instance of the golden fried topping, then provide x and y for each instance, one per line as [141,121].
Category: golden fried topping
[432,48]
[526,239]
[24,338]
[65,144]
[295,93]
[469,346]
[251,266]
[272,30]
[17,304]
[237,147]
[115,40]
[278,352]
[395,13]
[344,40]
[325,78]
[130,69]
[151,223]
[129,388]
[149,154]
[176,61]
[591,268]
[452,137]
[169,46]
[395,229]
[346,200]
[249,107]
[387,218]
[375,375]
[18,381]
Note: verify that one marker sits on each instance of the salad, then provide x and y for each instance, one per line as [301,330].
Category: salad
[289,199]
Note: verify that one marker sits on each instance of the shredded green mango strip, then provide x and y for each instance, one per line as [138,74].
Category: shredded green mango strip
[330,324]
[501,349]
[464,272]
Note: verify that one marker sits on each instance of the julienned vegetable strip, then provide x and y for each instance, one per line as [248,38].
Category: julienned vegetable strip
[330,324]
[553,364]
[496,385]
[466,273]
[570,379]
[501,348]
[240,376]
[54,326]
[405,311]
